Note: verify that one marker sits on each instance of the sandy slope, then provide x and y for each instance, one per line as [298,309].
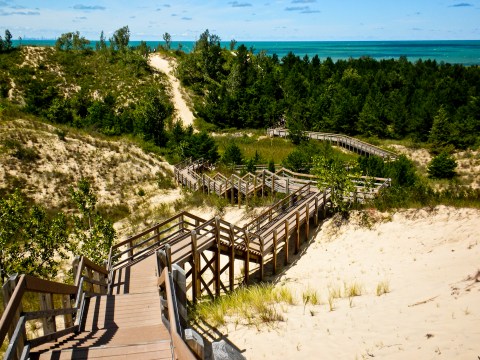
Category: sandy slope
[181,107]
[431,261]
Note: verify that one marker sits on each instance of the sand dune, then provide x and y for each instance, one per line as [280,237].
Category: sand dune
[429,259]
[182,110]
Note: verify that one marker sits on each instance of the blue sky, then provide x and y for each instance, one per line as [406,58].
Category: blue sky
[245,20]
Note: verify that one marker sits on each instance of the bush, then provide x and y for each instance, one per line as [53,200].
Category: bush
[442,166]
[233,155]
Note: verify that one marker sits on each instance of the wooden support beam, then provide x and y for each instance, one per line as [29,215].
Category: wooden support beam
[231,189]
[196,284]
[324,204]
[275,251]
[239,193]
[263,183]
[217,257]
[307,221]
[262,262]
[273,185]
[231,270]
[316,211]
[297,227]
[246,192]
[286,241]
[247,258]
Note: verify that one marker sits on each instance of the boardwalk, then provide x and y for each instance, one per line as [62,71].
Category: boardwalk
[115,311]
[344,141]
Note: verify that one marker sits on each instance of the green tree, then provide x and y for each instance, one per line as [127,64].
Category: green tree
[441,130]
[120,39]
[92,234]
[31,242]
[232,155]
[168,40]
[200,145]
[332,174]
[151,116]
[442,166]
[298,160]
[271,166]
[8,40]
[101,45]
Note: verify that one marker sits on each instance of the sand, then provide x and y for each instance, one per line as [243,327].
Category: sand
[430,260]
[182,110]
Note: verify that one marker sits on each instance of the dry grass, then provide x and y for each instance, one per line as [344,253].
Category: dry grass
[383,287]
[254,305]
[43,164]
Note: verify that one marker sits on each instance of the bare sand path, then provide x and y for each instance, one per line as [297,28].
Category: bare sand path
[181,107]
[431,261]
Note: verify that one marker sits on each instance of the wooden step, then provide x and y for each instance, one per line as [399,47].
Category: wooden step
[155,350]
[122,311]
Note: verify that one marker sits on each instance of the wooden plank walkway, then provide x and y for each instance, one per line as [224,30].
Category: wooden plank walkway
[124,325]
[345,141]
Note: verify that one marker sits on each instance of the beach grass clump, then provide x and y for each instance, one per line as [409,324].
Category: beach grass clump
[352,290]
[253,305]
[310,296]
[383,287]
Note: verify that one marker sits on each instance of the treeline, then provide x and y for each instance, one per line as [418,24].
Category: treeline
[111,90]
[425,100]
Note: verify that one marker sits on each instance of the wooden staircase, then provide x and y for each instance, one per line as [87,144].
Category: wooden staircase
[124,325]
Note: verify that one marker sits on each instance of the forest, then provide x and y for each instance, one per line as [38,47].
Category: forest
[394,99]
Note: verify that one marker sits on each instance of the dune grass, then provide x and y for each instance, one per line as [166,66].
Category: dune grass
[252,306]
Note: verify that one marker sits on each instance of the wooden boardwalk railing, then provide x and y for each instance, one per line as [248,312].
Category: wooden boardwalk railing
[345,141]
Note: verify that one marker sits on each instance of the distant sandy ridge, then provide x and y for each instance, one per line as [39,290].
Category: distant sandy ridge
[182,110]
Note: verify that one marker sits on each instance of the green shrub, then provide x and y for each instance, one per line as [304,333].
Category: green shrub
[442,166]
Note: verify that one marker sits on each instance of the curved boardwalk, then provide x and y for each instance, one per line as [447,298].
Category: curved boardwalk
[344,141]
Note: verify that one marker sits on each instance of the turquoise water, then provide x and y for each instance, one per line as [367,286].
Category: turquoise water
[466,52]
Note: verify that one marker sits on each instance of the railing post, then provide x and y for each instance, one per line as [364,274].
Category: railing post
[66,304]
[196,285]
[246,192]
[262,263]
[130,250]
[316,211]
[297,225]
[239,192]
[288,186]
[324,203]
[263,183]
[286,241]
[307,221]
[46,303]
[274,251]
[273,185]
[246,267]
[231,263]
[217,256]
[232,186]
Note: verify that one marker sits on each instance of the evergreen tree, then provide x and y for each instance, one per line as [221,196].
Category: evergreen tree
[442,166]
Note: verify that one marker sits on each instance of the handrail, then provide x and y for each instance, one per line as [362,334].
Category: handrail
[270,210]
[180,348]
